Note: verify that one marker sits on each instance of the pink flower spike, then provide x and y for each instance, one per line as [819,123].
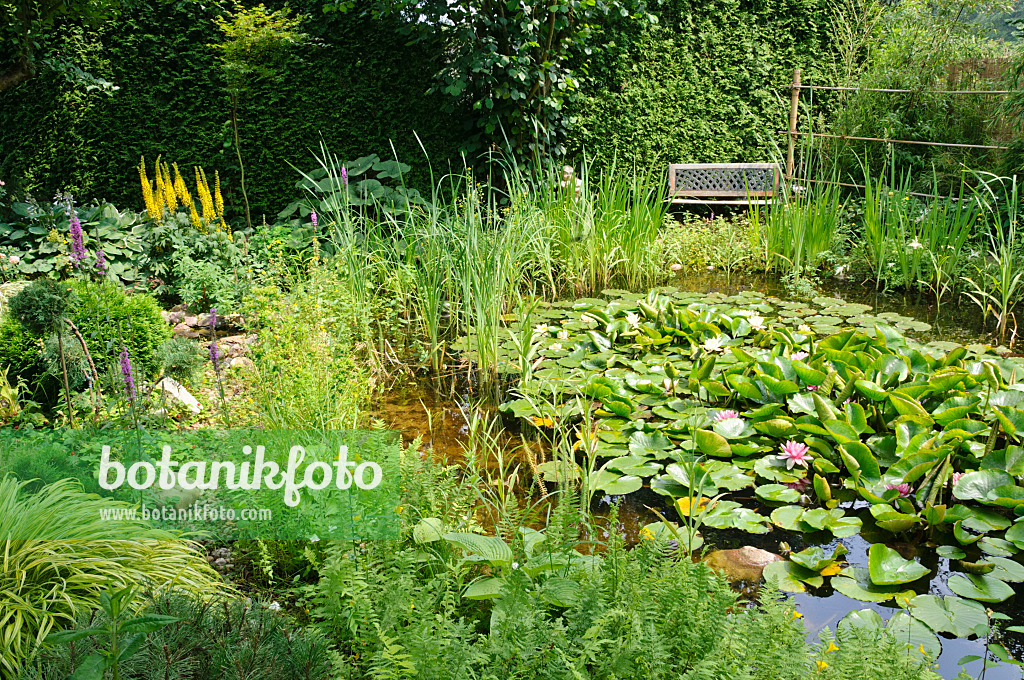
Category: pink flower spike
[799,356]
[725,415]
[795,453]
[903,488]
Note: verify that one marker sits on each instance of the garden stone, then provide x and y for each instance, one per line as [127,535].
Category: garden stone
[741,564]
[242,362]
[175,390]
[191,321]
[173,317]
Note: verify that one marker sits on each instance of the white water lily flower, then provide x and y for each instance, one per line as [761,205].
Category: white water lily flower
[715,344]
[804,328]
[563,335]
[633,319]
[756,322]
[557,347]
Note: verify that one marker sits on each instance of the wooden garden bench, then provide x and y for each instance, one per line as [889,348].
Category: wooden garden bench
[723,183]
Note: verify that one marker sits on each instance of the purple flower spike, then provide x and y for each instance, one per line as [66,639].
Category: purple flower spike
[213,318]
[344,177]
[312,217]
[126,372]
[215,355]
[77,242]
[101,262]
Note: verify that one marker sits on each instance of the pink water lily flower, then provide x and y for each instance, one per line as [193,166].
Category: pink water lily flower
[903,488]
[801,485]
[795,453]
[725,415]
[799,356]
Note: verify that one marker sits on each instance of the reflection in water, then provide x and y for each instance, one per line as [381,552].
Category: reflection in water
[443,426]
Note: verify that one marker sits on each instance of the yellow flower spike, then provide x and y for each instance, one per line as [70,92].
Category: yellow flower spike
[218,200]
[180,189]
[194,216]
[821,665]
[147,191]
[831,648]
[168,186]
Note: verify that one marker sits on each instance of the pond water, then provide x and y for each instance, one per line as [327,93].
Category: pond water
[441,422]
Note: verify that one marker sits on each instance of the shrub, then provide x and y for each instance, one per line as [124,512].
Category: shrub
[109,318]
[58,556]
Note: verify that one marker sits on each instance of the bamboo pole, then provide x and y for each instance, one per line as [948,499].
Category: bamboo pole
[794,105]
[793,134]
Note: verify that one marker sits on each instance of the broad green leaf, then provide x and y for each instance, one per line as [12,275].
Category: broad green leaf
[713,444]
[855,582]
[484,589]
[491,548]
[979,587]
[975,486]
[428,530]
[887,567]
[907,629]
[949,614]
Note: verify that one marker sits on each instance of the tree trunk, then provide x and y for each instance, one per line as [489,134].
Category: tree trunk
[17,73]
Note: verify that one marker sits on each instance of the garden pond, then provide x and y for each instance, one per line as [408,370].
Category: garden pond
[873,440]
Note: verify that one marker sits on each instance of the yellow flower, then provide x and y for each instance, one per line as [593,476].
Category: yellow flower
[821,665]
[218,200]
[796,615]
[831,648]
[922,649]
[646,535]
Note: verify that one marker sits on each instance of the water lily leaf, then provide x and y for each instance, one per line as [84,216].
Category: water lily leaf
[855,582]
[996,546]
[815,559]
[979,587]
[983,520]
[1015,534]
[871,390]
[621,485]
[861,463]
[788,517]
[915,633]
[777,428]
[887,567]
[771,467]
[649,444]
[865,619]
[951,552]
[777,493]
[892,520]
[713,444]
[948,615]
[733,428]
[789,577]
[1007,569]
[975,486]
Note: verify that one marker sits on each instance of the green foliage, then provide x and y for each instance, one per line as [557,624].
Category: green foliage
[60,556]
[223,640]
[306,374]
[360,87]
[181,359]
[126,635]
[38,235]
[257,44]
[110,319]
[700,85]
[203,284]
[517,64]
[42,306]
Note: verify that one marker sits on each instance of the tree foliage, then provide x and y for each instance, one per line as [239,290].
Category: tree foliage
[518,64]
[27,30]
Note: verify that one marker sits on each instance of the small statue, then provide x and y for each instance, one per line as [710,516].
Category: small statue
[569,179]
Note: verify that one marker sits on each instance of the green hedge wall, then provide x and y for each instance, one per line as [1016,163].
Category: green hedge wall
[707,83]
[361,88]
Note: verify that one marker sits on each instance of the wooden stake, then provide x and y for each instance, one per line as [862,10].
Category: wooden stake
[794,106]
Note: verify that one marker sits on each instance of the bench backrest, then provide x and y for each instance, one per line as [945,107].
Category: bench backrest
[711,180]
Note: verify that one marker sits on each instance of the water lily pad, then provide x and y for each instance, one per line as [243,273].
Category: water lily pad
[855,582]
[976,485]
[887,567]
[951,552]
[777,493]
[915,633]
[950,614]
[790,577]
[1007,569]
[979,587]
